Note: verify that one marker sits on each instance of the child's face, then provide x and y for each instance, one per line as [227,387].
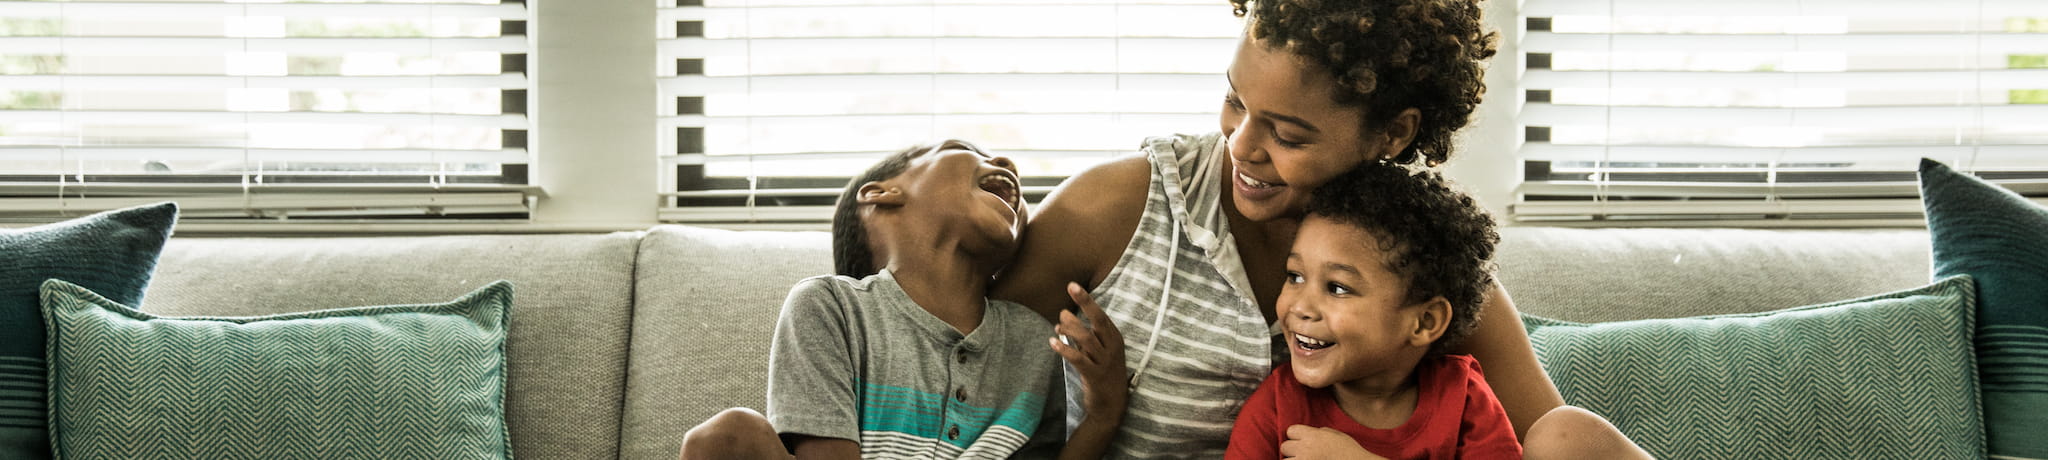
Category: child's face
[960,187]
[1342,309]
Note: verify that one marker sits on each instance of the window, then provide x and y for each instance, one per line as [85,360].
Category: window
[772,105]
[337,109]
[1770,112]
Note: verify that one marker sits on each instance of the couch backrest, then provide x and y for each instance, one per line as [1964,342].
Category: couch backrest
[705,308]
[1595,275]
[566,350]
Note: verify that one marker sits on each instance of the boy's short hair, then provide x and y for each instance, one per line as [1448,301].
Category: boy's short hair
[1436,238]
[852,255]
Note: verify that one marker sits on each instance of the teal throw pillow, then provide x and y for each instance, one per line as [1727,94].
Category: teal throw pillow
[111,252]
[406,381]
[2001,239]
[1888,376]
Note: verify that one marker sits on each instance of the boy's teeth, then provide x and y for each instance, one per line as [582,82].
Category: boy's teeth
[1311,343]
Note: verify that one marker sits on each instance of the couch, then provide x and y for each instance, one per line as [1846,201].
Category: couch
[620,342]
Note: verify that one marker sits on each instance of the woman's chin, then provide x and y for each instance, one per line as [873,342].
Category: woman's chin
[1263,210]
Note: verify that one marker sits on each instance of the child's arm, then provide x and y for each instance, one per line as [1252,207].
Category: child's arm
[1097,353]
[811,397]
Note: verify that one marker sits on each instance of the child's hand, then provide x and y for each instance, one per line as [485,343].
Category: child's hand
[1097,352]
[1307,443]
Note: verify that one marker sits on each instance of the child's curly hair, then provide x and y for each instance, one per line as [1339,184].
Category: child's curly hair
[1436,238]
[1389,55]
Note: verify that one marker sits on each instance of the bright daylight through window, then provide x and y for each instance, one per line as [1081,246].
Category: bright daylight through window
[347,109]
[1754,112]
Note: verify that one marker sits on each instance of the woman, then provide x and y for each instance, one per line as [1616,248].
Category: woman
[1184,246]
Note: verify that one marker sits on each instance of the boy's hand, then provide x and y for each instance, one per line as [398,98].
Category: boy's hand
[1308,443]
[1097,352]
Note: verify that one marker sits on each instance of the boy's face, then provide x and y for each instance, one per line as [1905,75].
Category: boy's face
[958,187]
[1343,311]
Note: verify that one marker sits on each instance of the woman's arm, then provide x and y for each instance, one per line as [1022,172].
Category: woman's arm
[1502,347]
[1076,235]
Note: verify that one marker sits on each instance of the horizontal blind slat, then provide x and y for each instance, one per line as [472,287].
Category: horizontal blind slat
[1545,114]
[1892,8]
[161,152]
[1549,42]
[168,117]
[222,82]
[1865,80]
[288,10]
[1677,153]
[206,46]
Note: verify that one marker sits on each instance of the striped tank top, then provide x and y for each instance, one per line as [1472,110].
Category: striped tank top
[1196,355]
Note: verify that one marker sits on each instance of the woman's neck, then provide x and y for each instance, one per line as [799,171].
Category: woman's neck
[1261,246]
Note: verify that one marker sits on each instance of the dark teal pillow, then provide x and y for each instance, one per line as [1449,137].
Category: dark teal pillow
[2001,239]
[403,381]
[111,252]
[1888,376]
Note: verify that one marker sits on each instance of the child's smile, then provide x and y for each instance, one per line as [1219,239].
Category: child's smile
[1002,184]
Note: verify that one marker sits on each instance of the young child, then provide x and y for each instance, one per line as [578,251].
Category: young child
[1386,273]
[902,355]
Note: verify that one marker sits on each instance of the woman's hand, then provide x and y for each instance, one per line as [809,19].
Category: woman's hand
[1096,350]
[1310,443]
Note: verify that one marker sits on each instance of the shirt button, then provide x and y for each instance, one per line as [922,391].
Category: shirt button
[963,356]
[960,394]
[953,434]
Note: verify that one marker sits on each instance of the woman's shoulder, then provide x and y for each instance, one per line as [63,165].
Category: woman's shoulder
[1119,187]
[1096,212]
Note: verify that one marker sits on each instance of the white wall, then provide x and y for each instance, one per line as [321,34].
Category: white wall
[1487,166]
[593,111]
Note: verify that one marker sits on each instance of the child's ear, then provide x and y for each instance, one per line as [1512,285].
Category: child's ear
[880,194]
[1432,318]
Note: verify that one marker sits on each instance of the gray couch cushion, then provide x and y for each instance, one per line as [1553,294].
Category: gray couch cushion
[567,340]
[705,309]
[1595,275]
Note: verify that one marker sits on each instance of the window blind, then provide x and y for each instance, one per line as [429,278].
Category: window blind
[348,109]
[770,106]
[1774,112]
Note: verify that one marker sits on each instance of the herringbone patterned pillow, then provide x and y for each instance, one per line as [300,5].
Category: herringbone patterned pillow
[408,381]
[1888,376]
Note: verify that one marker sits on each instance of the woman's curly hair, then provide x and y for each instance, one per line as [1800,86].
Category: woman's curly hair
[1435,238]
[1389,55]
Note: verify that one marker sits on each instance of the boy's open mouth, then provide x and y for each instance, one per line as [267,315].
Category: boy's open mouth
[1002,186]
[1311,343]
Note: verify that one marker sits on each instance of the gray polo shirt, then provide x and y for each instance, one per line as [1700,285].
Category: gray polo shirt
[857,359]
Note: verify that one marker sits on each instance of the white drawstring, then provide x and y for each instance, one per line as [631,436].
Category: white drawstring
[1165,293]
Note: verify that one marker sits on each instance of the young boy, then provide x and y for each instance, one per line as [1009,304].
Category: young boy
[901,355]
[1385,275]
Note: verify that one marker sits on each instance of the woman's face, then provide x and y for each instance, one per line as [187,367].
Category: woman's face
[1287,135]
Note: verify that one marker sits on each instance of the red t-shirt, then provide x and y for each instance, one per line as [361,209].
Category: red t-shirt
[1456,416]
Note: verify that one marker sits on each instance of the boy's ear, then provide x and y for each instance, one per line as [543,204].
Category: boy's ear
[880,194]
[1432,318]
